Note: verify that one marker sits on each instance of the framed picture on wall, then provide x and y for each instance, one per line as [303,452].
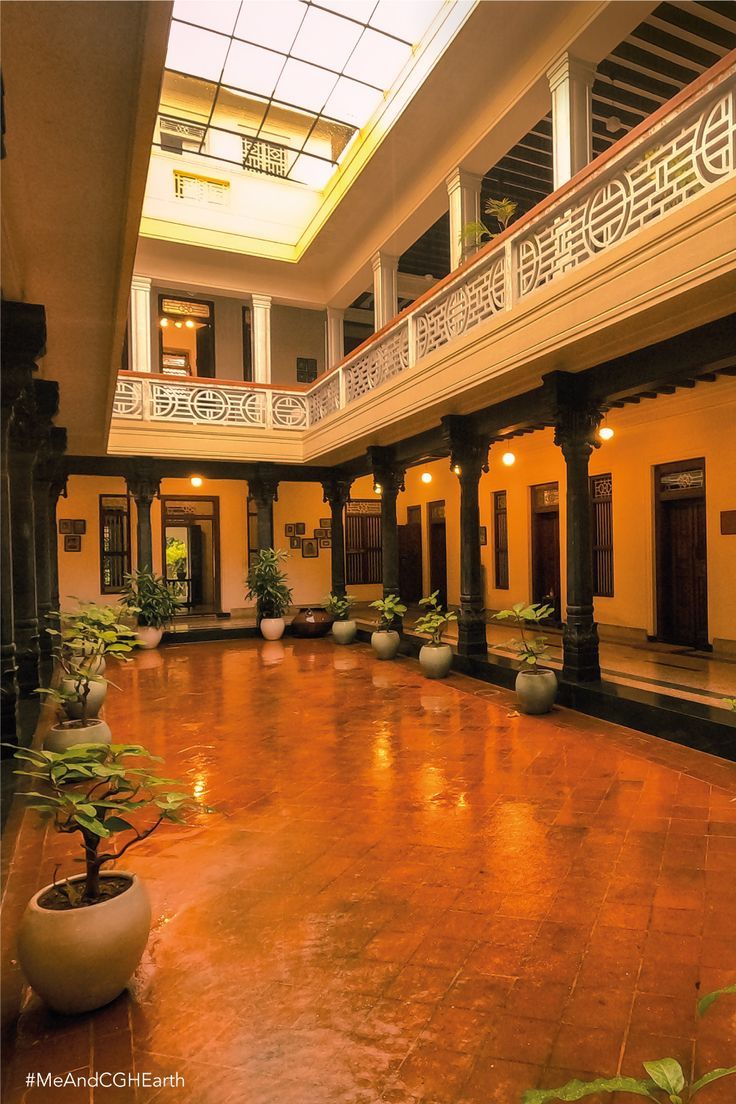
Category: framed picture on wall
[483,535]
[295,542]
[72,542]
[325,542]
[289,529]
[323,532]
[310,548]
[300,528]
[79,526]
[325,523]
[66,525]
[306,369]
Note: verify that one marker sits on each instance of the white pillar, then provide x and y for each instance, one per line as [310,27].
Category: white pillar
[139,337]
[571,83]
[385,288]
[463,191]
[261,338]
[335,336]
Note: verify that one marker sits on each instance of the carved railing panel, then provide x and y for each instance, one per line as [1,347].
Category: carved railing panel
[382,360]
[460,308]
[324,399]
[208,403]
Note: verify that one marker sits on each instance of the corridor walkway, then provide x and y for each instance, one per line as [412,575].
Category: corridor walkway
[407,893]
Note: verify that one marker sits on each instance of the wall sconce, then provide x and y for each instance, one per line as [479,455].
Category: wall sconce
[189,324]
[196,480]
[426,477]
[164,323]
[508,459]
[457,469]
[377,488]
[605,433]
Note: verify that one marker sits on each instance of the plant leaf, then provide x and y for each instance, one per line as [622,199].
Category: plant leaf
[667,1074]
[577,1090]
[705,1002]
[706,1079]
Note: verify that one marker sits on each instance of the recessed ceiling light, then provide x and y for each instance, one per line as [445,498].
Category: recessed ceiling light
[426,477]
[605,433]
[508,459]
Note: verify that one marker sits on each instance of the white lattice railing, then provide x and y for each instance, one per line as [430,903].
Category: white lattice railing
[687,148]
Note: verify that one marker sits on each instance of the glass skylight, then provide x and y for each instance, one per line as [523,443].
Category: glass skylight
[302,76]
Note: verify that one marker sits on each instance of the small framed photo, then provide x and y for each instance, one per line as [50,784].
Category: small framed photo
[79,525]
[325,523]
[289,529]
[72,542]
[310,548]
[66,525]
[295,542]
[300,528]
[323,532]
[483,535]
[325,542]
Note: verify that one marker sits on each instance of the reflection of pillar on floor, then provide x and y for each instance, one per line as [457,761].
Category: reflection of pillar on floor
[469,459]
[264,491]
[144,487]
[47,485]
[389,476]
[337,493]
[576,425]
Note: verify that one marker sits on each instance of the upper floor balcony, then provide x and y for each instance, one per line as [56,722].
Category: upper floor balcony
[636,247]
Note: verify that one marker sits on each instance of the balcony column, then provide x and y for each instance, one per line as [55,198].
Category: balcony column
[261,338]
[385,288]
[144,486]
[140,340]
[469,459]
[23,342]
[335,336]
[463,192]
[337,492]
[45,474]
[265,490]
[571,84]
[389,476]
[576,423]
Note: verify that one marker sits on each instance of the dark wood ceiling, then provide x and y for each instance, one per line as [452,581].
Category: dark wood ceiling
[667,51]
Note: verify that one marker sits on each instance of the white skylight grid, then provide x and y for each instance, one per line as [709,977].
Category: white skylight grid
[328,59]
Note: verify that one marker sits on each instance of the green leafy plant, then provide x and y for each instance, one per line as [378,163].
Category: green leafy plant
[473,234]
[529,649]
[666,1080]
[731,703]
[267,584]
[390,609]
[176,557]
[149,597]
[102,792]
[339,606]
[435,620]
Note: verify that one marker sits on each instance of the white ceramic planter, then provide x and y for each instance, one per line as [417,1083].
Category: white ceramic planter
[385,643]
[61,736]
[435,660]
[272,628]
[83,958]
[95,698]
[148,636]
[536,690]
[95,665]
[344,632]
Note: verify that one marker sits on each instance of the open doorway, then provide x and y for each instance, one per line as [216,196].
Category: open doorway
[682,575]
[546,546]
[191,552]
[437,550]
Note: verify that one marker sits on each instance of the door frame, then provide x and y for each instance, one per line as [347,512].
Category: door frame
[552,508]
[436,502]
[660,497]
[214,517]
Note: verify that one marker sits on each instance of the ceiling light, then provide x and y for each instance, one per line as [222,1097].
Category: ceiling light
[613,124]
[605,433]
[189,324]
[508,459]
[457,469]
[178,325]
[426,477]
[377,488]
[196,480]
[164,322]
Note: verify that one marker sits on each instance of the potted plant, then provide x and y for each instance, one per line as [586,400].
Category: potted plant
[81,939]
[344,628]
[385,640]
[435,658]
[474,234]
[267,585]
[536,686]
[85,638]
[149,597]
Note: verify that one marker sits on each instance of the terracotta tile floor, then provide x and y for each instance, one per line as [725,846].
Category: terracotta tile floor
[408,892]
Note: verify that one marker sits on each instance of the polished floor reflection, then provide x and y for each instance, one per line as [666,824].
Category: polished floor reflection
[408,892]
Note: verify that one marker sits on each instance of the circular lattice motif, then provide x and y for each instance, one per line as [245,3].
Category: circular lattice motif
[714,143]
[127,400]
[498,278]
[209,405]
[250,407]
[607,214]
[164,401]
[456,312]
[528,265]
[289,410]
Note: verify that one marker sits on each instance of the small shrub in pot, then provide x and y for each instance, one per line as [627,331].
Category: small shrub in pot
[385,640]
[536,686]
[344,628]
[154,604]
[268,587]
[435,657]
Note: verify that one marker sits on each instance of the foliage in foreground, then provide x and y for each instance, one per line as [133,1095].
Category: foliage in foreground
[435,620]
[529,649]
[267,584]
[390,610]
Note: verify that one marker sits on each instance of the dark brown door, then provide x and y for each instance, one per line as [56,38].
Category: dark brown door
[682,582]
[546,559]
[437,550]
[410,562]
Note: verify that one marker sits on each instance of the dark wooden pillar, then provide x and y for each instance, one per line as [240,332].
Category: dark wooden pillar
[264,489]
[576,423]
[144,487]
[389,476]
[337,492]
[469,459]
[47,477]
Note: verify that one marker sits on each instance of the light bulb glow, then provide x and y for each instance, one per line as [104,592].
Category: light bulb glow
[164,323]
[605,433]
[377,488]
[457,469]
[189,324]
[426,477]
[508,459]
[178,325]
[196,480]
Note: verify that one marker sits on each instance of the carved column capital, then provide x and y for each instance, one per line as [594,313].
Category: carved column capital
[144,486]
[386,472]
[575,414]
[264,488]
[336,490]
[49,467]
[468,452]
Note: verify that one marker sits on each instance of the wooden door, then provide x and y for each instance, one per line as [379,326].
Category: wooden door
[682,579]
[546,559]
[410,562]
[437,551]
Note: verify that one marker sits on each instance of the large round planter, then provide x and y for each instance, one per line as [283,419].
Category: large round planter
[385,643]
[148,636]
[344,632]
[95,698]
[435,660]
[536,690]
[94,665]
[272,628]
[62,736]
[82,958]
[311,622]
